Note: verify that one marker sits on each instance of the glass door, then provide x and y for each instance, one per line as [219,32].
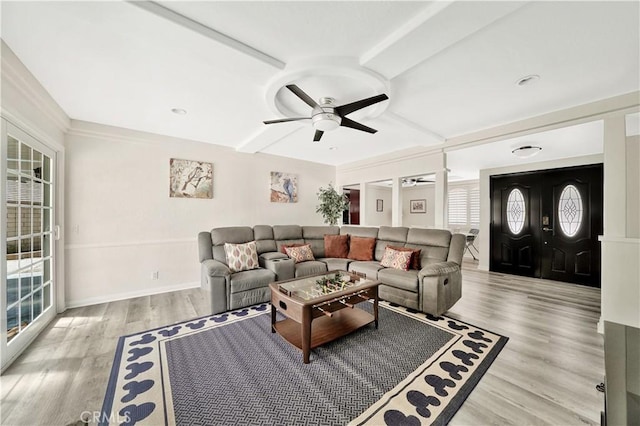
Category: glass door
[27,297]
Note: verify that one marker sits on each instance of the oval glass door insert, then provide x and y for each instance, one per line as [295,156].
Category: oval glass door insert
[570,210]
[516,211]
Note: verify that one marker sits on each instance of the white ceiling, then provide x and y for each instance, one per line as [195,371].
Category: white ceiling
[449,68]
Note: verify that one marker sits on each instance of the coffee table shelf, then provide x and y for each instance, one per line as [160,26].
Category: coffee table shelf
[315,316]
[325,329]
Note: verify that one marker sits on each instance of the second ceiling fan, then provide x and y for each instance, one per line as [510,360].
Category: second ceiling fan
[326,116]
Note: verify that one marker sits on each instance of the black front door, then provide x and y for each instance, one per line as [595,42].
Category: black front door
[546,224]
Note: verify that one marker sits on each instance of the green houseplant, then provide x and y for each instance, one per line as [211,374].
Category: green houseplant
[332,204]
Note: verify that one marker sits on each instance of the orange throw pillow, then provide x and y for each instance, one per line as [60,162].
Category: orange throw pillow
[415,256]
[336,246]
[361,248]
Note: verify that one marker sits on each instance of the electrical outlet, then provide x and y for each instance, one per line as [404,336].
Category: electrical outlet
[155,275]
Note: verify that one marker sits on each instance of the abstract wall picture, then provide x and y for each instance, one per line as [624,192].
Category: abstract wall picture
[190,179]
[418,206]
[284,187]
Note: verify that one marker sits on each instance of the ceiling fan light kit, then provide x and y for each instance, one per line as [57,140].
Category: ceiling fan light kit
[325,116]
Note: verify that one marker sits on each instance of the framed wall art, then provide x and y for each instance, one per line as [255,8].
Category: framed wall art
[284,187]
[418,206]
[190,179]
[379,205]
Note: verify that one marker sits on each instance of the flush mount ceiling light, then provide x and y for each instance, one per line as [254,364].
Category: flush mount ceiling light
[179,111]
[526,151]
[527,79]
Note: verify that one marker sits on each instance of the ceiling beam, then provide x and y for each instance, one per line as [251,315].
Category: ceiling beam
[210,33]
[267,136]
[426,136]
[439,26]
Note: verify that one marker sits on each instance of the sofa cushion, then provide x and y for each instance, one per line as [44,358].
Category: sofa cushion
[397,259]
[335,264]
[361,248]
[287,232]
[336,246]
[405,280]
[300,254]
[359,231]
[249,280]
[318,232]
[415,256]
[311,267]
[369,268]
[263,235]
[241,257]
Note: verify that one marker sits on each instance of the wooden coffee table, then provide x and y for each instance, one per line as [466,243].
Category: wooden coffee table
[329,307]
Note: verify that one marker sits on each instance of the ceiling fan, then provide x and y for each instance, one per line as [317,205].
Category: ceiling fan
[326,116]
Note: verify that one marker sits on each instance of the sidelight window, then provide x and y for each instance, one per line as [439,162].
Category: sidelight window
[515,211]
[570,210]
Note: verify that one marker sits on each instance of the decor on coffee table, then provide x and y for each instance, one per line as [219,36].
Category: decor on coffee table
[332,204]
[418,206]
[284,187]
[229,369]
[190,179]
[315,308]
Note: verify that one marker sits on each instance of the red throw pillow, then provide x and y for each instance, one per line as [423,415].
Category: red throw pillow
[361,248]
[336,246]
[284,246]
[415,257]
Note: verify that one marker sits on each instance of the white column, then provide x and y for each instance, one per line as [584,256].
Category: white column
[440,208]
[396,202]
[615,177]
[363,203]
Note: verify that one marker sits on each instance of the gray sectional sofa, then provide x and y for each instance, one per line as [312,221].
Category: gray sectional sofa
[433,289]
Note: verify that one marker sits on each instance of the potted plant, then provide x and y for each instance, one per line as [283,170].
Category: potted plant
[332,204]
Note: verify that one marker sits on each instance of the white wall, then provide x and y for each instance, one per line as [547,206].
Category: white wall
[122,225]
[374,217]
[419,192]
[410,162]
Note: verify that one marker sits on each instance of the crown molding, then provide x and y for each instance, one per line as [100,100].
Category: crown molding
[32,91]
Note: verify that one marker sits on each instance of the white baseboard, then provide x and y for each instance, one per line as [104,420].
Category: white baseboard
[129,295]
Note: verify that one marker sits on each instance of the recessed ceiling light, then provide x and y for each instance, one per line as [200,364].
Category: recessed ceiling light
[526,151]
[527,79]
[179,111]
[333,148]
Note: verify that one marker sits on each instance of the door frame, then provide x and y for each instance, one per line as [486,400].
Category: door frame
[536,232]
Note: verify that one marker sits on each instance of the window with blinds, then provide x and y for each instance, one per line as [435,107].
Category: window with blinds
[464,206]
[458,206]
[474,206]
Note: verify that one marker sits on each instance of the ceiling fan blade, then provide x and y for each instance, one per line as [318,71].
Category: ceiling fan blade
[346,122]
[306,98]
[284,120]
[318,135]
[343,110]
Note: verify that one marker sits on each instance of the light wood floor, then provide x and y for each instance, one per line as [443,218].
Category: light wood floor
[546,374]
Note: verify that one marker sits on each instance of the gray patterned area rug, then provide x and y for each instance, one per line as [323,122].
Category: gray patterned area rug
[229,369]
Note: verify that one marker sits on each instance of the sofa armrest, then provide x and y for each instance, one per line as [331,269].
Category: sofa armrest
[438,269]
[205,246]
[214,268]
